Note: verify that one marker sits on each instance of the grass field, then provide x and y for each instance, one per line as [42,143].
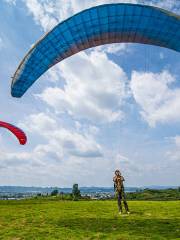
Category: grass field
[45,219]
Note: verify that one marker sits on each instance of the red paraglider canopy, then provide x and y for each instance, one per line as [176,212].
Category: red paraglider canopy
[16,131]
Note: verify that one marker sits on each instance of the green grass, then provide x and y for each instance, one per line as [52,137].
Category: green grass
[45,219]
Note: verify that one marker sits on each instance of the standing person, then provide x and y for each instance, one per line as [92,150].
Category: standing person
[118,180]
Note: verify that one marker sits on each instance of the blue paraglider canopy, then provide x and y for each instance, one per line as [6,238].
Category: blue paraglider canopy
[110,23]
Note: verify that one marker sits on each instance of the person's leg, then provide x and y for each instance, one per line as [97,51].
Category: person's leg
[126,205]
[125,202]
[119,202]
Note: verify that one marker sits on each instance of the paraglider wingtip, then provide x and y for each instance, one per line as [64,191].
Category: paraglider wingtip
[16,131]
[15,95]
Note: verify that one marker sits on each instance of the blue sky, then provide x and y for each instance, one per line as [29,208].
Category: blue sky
[84,122]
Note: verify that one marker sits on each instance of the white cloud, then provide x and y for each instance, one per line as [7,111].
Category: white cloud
[65,153]
[70,142]
[95,88]
[48,13]
[42,13]
[39,123]
[59,154]
[171,5]
[115,48]
[157,99]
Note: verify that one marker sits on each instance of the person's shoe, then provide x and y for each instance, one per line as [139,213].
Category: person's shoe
[120,213]
[128,212]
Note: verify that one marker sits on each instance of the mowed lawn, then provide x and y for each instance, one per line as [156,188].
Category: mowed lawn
[45,219]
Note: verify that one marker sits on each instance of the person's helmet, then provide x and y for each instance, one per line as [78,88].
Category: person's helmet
[117,171]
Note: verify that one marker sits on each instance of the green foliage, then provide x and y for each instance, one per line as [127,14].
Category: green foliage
[67,197]
[54,192]
[150,194]
[84,220]
[76,192]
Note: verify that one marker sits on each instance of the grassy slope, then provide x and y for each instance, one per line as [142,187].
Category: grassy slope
[34,219]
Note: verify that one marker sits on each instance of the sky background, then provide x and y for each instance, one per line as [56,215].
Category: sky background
[114,106]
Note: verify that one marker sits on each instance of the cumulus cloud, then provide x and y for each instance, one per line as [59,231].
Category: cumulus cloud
[39,123]
[115,48]
[63,151]
[158,101]
[69,141]
[95,88]
[129,166]
[87,86]
[48,13]
[95,105]
[171,5]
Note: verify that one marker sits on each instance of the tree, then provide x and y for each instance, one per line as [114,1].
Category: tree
[54,192]
[76,192]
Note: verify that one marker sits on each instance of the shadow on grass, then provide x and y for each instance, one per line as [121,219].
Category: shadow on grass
[168,229]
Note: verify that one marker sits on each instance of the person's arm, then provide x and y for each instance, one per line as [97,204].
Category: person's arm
[114,180]
[122,182]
